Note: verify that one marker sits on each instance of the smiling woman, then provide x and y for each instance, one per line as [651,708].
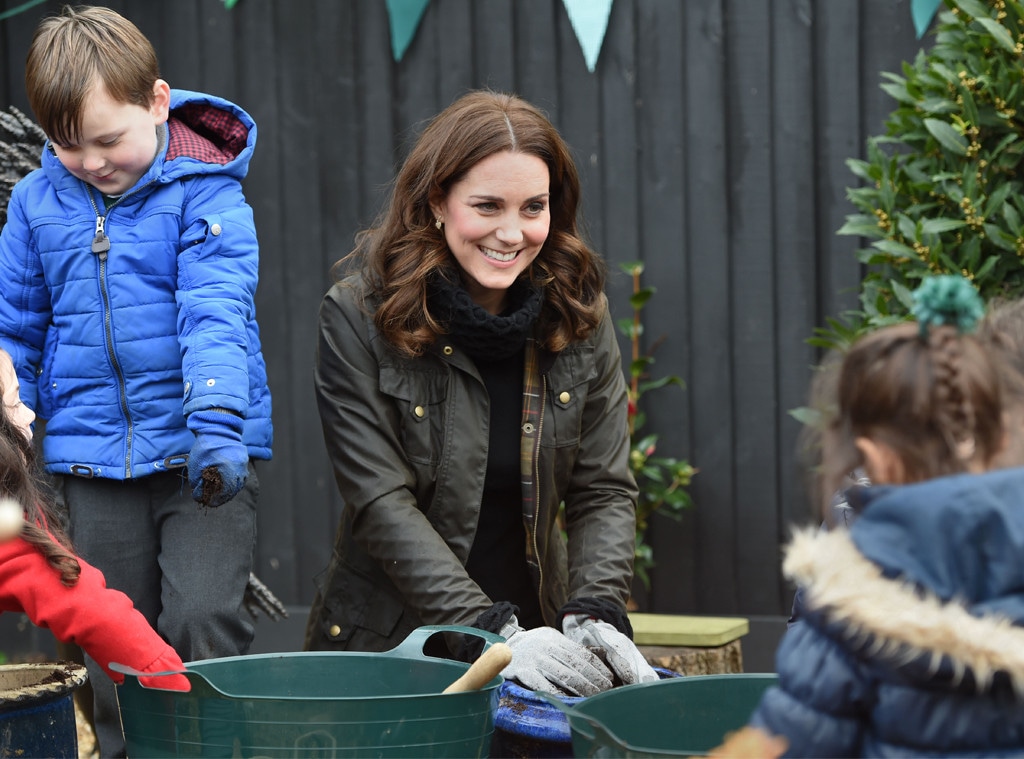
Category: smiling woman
[495,221]
[485,390]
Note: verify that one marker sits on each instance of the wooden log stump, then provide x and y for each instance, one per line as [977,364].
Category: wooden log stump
[689,660]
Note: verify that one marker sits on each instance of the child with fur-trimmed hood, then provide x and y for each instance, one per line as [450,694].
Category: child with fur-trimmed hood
[911,636]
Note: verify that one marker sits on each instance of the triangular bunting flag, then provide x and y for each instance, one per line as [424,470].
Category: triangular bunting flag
[404,17]
[589,20]
[923,11]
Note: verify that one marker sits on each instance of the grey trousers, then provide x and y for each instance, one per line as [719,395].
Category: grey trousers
[184,566]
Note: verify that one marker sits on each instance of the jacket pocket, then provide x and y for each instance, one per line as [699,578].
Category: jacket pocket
[419,395]
[357,612]
[568,382]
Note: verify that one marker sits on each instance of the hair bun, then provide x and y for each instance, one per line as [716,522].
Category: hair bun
[947,299]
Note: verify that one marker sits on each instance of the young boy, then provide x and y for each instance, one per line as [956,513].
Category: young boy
[127,304]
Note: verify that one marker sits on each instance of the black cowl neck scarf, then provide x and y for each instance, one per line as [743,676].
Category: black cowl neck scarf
[483,335]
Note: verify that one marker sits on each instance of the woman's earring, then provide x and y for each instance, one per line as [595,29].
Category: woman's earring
[438,223]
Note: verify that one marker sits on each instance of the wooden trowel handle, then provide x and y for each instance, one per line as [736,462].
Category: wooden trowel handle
[483,670]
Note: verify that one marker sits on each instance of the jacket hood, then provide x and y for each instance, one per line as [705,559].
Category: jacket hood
[930,577]
[204,134]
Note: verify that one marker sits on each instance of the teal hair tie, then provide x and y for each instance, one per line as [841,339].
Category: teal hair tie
[947,299]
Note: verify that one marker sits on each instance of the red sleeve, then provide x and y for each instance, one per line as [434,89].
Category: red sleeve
[102,621]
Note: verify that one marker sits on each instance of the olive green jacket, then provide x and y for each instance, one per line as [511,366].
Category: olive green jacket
[408,439]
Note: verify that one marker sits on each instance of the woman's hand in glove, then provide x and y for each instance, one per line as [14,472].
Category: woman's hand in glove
[615,648]
[546,660]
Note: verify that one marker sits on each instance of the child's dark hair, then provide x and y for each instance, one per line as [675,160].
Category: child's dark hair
[20,480]
[930,394]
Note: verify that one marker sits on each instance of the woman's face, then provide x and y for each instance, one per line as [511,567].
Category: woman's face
[496,220]
[21,415]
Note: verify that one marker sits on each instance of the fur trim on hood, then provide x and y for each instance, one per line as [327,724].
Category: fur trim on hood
[896,620]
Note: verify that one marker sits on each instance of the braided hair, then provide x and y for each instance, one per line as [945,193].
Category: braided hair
[927,390]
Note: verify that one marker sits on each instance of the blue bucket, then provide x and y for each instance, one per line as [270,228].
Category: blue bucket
[37,710]
[528,726]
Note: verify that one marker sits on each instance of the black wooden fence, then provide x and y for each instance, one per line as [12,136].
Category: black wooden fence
[711,139]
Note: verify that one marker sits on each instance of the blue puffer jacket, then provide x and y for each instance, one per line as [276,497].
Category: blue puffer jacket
[912,638]
[114,349]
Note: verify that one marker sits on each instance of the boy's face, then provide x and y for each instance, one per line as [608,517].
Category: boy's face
[118,140]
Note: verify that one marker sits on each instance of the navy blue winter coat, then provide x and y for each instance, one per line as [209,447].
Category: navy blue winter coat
[115,350]
[911,642]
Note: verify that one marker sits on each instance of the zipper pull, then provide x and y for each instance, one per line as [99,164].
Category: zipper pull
[100,243]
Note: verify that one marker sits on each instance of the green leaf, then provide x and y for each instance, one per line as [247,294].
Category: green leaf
[1012,217]
[639,299]
[807,416]
[861,225]
[1000,239]
[947,136]
[999,33]
[632,267]
[938,226]
[895,248]
[903,294]
[973,8]
[899,92]
[938,105]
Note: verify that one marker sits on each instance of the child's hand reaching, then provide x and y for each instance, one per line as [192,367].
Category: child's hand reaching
[219,462]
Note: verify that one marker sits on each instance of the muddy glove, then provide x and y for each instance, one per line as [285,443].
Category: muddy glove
[612,646]
[543,659]
[218,462]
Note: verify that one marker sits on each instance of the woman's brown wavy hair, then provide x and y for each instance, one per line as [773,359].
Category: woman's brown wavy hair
[404,250]
[21,481]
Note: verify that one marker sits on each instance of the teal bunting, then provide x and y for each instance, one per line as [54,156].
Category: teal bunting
[589,20]
[404,17]
[923,11]
[20,8]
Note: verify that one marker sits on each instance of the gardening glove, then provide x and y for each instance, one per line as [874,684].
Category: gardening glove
[612,646]
[218,462]
[545,660]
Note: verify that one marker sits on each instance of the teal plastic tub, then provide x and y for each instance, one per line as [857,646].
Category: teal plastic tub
[315,704]
[685,716]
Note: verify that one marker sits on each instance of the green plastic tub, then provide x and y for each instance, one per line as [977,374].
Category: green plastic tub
[315,704]
[685,716]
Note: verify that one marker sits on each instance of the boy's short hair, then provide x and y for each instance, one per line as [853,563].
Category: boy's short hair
[77,49]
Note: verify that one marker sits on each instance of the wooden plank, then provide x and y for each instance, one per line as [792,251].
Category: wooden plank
[618,152]
[685,630]
[662,244]
[453,20]
[578,120]
[837,28]
[178,44]
[381,140]
[257,88]
[707,232]
[492,44]
[753,302]
[795,285]
[536,52]
[301,207]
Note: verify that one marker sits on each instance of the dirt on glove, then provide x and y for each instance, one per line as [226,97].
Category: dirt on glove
[212,485]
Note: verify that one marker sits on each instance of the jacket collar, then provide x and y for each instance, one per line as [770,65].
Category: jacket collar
[892,619]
